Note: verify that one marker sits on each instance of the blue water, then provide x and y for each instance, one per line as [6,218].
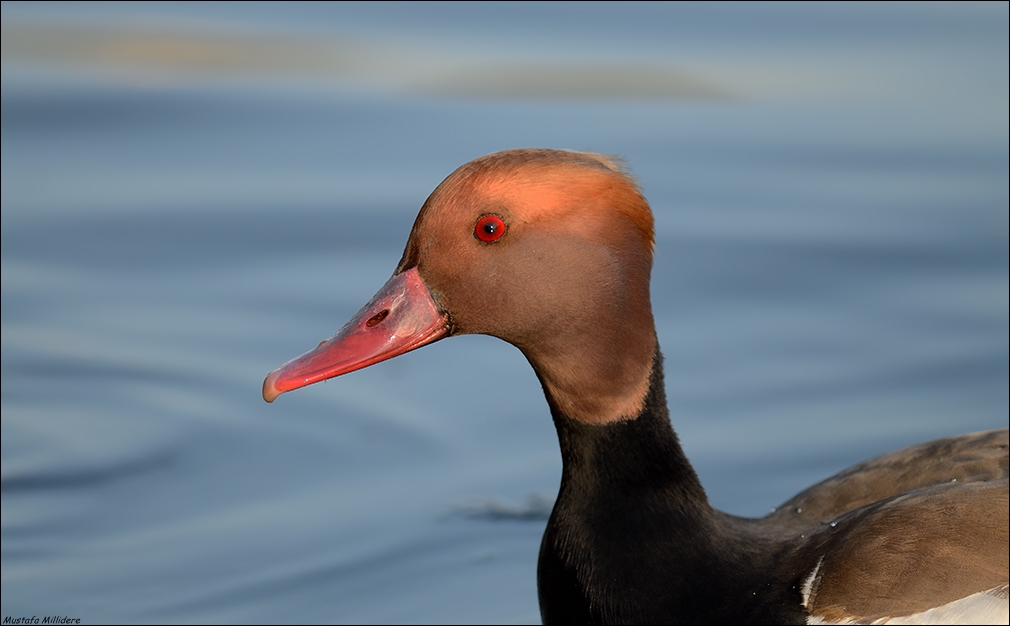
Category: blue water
[180,217]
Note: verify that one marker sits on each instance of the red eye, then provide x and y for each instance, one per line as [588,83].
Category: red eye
[490,228]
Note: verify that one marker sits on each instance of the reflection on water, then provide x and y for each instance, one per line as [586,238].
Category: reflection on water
[194,194]
[132,54]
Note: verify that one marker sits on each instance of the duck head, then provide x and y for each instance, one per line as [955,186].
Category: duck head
[549,250]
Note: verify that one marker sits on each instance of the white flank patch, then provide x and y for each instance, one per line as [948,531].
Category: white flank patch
[985,607]
[808,584]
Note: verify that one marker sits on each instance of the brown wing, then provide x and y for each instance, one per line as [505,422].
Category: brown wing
[914,553]
[962,459]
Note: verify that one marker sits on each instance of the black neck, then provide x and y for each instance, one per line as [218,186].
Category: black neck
[632,537]
[641,454]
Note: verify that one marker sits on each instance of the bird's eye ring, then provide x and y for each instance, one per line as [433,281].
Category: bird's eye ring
[490,228]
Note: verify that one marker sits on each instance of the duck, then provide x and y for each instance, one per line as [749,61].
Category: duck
[551,251]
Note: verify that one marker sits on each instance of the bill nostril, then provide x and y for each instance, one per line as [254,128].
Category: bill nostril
[377,318]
